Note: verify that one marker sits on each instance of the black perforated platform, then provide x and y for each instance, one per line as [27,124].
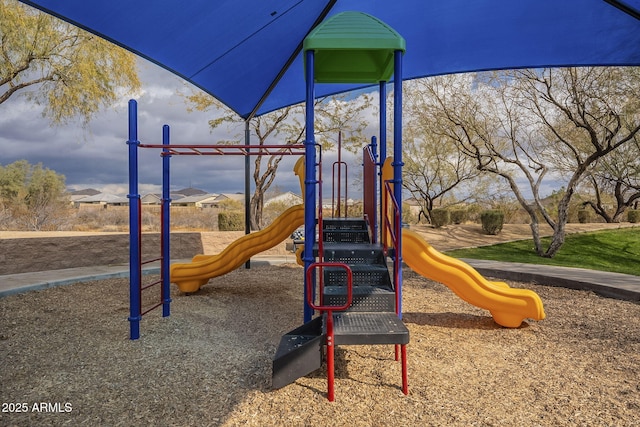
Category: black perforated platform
[369,328]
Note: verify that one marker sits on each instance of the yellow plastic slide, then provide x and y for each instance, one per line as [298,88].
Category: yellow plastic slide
[191,276]
[508,306]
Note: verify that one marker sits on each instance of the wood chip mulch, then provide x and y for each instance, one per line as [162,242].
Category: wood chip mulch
[67,360]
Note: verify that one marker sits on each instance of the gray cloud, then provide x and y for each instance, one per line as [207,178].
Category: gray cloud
[98,157]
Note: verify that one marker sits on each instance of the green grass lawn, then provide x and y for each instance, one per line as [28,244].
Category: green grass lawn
[611,250]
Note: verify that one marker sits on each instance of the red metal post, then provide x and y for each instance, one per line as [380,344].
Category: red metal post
[330,356]
[405,381]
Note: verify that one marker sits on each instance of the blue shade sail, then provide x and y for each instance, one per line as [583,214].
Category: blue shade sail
[247,53]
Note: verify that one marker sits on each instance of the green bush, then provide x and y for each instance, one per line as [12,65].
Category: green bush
[230,221]
[440,217]
[458,216]
[584,216]
[633,215]
[492,221]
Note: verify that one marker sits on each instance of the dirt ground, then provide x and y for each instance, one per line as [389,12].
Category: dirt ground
[450,237]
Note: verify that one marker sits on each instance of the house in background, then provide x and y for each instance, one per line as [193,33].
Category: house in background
[190,191]
[225,197]
[197,201]
[156,198]
[76,195]
[288,199]
[101,200]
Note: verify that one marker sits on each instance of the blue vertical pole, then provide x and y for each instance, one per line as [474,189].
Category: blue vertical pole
[309,179]
[397,165]
[134,229]
[383,145]
[166,224]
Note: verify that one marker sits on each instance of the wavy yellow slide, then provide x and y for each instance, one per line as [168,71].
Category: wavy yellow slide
[508,306]
[191,276]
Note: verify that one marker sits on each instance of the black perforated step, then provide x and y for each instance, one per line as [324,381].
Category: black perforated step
[344,224]
[345,230]
[362,275]
[350,236]
[364,298]
[354,253]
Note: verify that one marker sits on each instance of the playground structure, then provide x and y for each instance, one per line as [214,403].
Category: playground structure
[351,298]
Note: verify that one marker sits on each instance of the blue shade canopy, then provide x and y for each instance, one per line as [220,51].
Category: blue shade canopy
[247,53]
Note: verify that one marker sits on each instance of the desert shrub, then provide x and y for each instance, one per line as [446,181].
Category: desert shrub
[633,215]
[458,216]
[584,216]
[473,212]
[194,219]
[492,221]
[440,217]
[230,221]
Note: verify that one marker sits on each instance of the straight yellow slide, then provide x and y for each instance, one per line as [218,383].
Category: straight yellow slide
[508,306]
[191,276]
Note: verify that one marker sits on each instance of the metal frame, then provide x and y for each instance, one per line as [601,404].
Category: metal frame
[135,210]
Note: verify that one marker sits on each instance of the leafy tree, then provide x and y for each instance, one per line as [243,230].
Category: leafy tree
[33,196]
[70,71]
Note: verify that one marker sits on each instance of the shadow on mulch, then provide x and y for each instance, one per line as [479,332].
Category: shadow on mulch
[453,320]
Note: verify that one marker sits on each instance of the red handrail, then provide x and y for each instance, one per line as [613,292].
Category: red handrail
[329,309]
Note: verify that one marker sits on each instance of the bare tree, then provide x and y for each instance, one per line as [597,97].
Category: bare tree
[615,182]
[539,124]
[287,126]
[434,168]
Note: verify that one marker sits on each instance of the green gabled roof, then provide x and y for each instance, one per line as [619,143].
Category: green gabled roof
[353,47]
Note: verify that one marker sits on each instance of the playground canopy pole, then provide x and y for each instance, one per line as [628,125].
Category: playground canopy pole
[247,186]
[397,169]
[134,229]
[166,225]
[309,182]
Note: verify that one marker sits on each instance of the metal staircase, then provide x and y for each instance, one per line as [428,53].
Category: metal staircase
[365,288]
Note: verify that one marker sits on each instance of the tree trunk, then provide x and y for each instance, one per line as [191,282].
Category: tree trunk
[559,231]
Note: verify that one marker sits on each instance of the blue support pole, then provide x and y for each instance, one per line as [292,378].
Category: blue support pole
[134,225]
[383,143]
[397,165]
[309,180]
[166,225]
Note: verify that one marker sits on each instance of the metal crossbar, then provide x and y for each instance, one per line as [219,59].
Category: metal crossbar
[228,150]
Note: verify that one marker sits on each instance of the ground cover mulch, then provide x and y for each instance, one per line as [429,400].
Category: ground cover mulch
[209,363]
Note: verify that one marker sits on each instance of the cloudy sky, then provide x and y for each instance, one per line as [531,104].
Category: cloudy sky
[98,158]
